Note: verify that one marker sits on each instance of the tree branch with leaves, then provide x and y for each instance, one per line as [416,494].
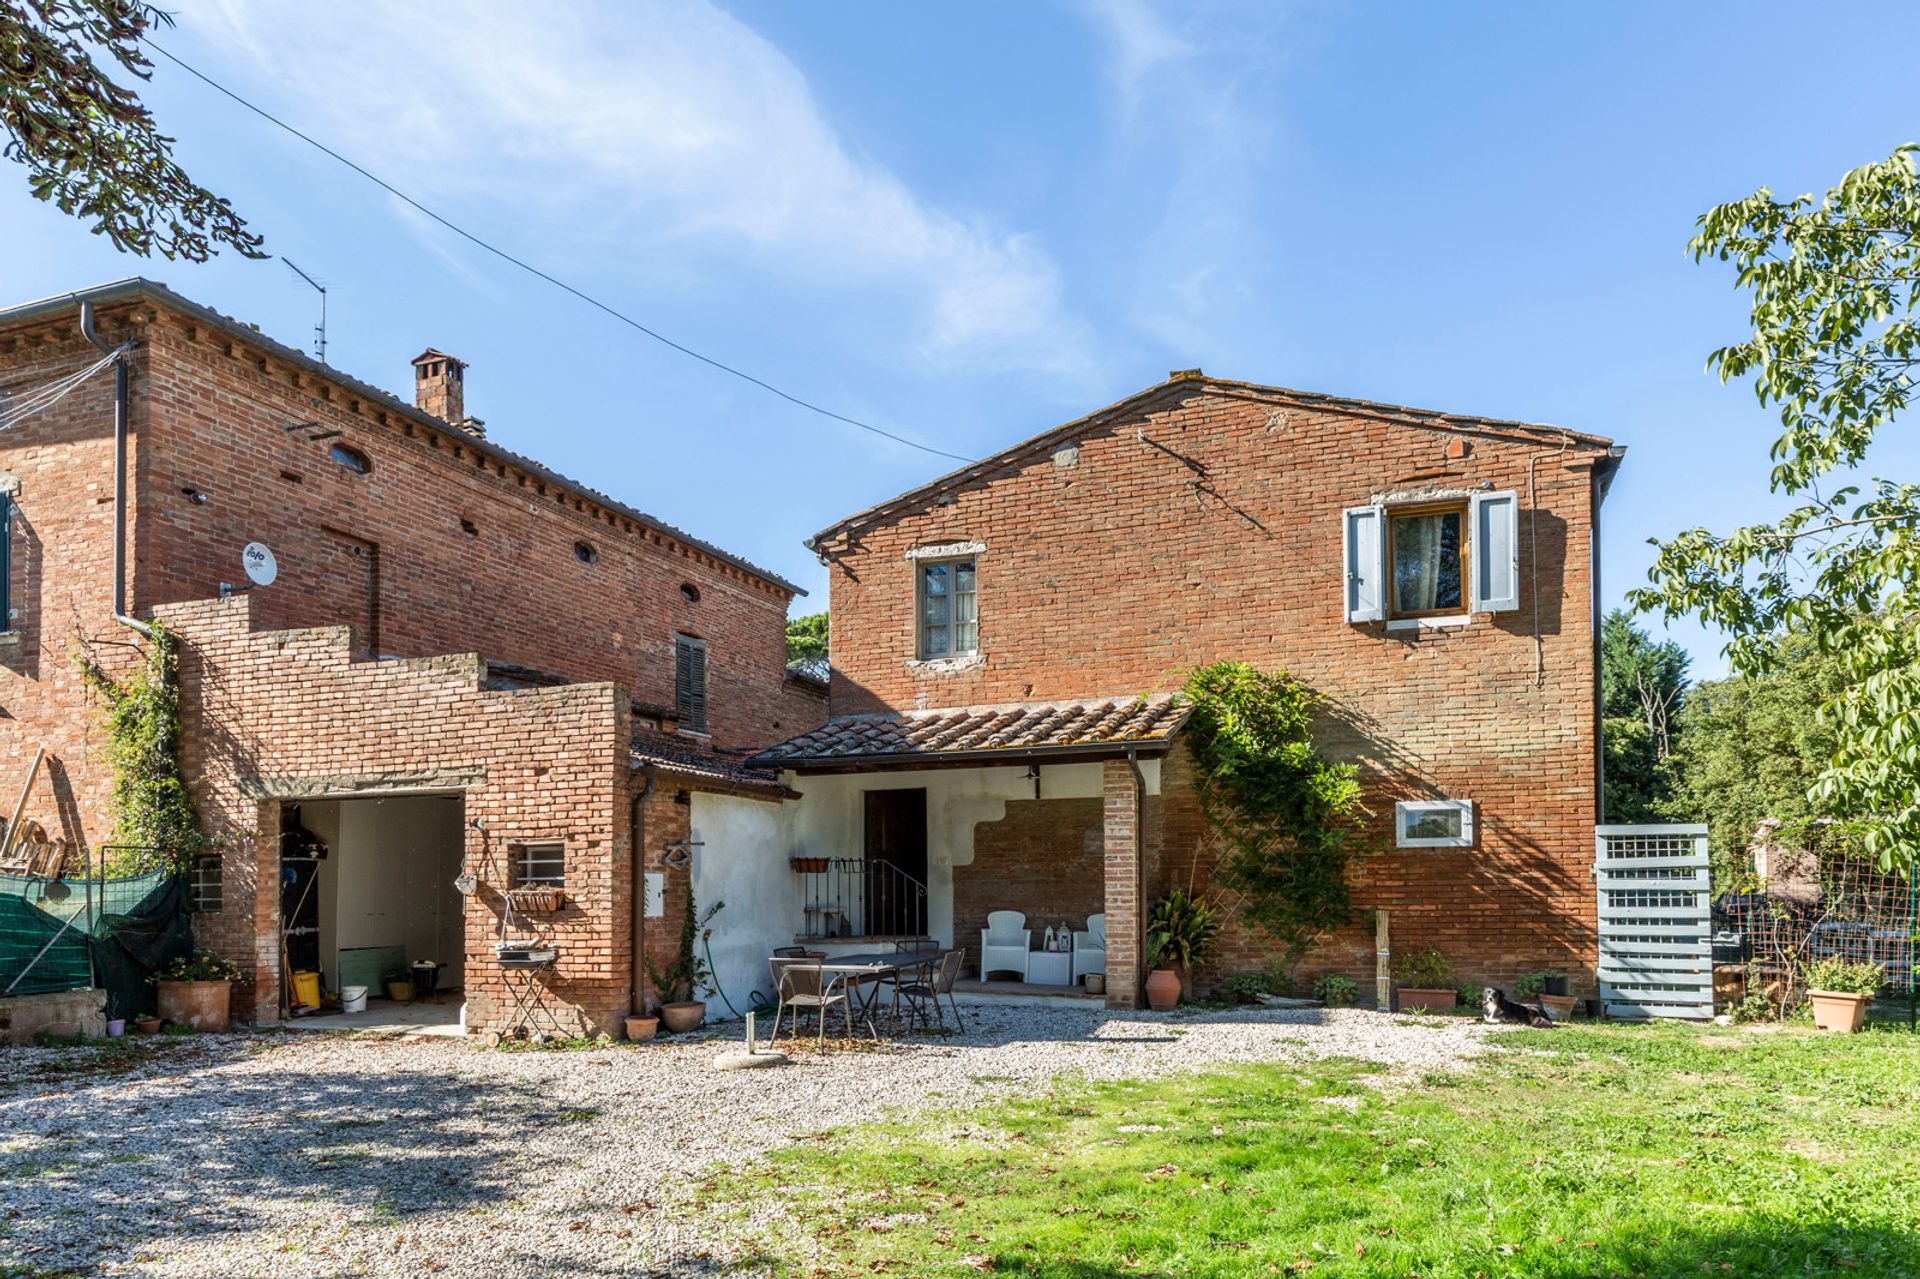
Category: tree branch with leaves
[90,146]
[1834,286]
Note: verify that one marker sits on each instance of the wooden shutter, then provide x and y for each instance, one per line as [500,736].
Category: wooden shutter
[1496,552]
[690,682]
[6,561]
[1364,563]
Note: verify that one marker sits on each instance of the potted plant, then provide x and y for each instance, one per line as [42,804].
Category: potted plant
[1547,989]
[1840,992]
[1181,930]
[1423,980]
[192,990]
[678,983]
[147,1025]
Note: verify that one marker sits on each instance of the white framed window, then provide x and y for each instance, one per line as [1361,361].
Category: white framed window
[203,885]
[1433,823]
[949,609]
[537,866]
[1447,558]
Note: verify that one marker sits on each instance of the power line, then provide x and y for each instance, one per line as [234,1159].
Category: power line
[556,282]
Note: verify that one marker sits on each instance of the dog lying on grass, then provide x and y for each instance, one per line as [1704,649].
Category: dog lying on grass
[1498,1009]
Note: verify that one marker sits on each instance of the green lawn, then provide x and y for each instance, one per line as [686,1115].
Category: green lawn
[1648,1151]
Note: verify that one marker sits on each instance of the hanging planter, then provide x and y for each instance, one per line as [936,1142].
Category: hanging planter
[809,865]
[537,900]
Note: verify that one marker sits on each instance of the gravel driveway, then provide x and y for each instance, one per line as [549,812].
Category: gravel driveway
[321,1155]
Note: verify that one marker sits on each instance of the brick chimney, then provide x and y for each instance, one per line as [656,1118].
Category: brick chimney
[439,389]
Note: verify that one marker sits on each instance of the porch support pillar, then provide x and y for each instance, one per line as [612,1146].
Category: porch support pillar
[1121,793]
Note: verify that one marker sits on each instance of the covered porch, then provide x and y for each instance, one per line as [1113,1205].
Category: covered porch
[917,827]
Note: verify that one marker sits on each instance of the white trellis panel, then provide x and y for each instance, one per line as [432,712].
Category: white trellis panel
[1656,926]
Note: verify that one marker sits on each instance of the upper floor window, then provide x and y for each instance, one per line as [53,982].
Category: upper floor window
[353,459]
[949,609]
[690,682]
[1441,560]
[1427,550]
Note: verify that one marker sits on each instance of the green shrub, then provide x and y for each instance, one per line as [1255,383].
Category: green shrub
[1246,988]
[1181,930]
[1425,969]
[1470,996]
[1336,990]
[1845,978]
[1532,985]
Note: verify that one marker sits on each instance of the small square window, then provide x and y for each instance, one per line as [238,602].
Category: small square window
[537,866]
[1434,823]
[1427,560]
[203,885]
[949,609]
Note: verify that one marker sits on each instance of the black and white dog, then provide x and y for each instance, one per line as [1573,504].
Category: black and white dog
[1498,1008]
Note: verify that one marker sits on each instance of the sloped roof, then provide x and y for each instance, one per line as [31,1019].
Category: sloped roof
[699,765]
[1189,381]
[141,287]
[981,735]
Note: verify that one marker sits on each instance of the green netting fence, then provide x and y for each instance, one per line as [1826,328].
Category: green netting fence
[68,934]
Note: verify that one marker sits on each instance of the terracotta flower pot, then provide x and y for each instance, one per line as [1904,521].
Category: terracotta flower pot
[147,1025]
[1412,997]
[640,1029]
[1163,989]
[682,1017]
[809,865]
[199,1004]
[1839,1012]
[1559,1007]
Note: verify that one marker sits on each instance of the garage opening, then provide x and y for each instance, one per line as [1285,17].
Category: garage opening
[368,897]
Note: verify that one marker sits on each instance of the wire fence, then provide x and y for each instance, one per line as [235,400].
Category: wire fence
[1812,895]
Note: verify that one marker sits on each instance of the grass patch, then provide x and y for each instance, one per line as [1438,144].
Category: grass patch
[1632,1151]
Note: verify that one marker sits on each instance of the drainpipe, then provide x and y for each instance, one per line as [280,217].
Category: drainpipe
[119,474]
[637,992]
[1139,870]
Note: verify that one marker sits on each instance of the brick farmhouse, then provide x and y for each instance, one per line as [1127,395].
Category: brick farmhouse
[467,672]
[466,662]
[1431,575]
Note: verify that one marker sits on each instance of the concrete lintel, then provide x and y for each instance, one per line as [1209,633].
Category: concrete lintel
[349,785]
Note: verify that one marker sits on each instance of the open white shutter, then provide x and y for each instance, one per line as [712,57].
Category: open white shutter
[1496,552]
[1364,563]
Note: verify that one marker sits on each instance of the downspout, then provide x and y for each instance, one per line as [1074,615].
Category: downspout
[120,614]
[637,993]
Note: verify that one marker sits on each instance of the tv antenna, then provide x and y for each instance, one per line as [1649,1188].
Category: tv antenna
[320,329]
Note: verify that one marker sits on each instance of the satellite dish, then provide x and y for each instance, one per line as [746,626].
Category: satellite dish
[259,563]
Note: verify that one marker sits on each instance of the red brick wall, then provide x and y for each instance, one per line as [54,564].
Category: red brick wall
[1045,858]
[277,716]
[513,589]
[206,415]
[1219,536]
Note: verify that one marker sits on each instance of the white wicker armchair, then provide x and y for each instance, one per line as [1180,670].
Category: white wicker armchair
[1005,943]
[1089,949]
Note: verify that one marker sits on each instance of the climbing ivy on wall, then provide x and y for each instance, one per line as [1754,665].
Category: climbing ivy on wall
[1286,817]
[153,806]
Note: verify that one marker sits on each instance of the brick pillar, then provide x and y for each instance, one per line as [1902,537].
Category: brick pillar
[1120,823]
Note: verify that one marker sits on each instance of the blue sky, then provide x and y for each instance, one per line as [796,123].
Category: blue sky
[971,223]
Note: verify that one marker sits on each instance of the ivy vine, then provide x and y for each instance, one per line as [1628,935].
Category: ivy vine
[1286,817]
[156,826]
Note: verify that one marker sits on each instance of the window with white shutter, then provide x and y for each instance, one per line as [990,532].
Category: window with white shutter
[1365,564]
[1496,552]
[690,682]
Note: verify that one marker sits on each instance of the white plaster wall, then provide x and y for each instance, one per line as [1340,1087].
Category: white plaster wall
[741,859]
[389,879]
[827,820]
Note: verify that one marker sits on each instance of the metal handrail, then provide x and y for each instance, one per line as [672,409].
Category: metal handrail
[857,897]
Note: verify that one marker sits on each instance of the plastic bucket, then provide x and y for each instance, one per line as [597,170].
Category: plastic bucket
[306,989]
[353,999]
[116,1027]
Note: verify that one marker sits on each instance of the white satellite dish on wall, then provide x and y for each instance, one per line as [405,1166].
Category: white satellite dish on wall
[259,563]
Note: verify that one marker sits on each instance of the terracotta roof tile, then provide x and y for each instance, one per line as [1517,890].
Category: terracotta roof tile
[974,731]
[697,763]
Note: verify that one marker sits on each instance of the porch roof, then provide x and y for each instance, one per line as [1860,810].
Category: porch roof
[703,767]
[982,736]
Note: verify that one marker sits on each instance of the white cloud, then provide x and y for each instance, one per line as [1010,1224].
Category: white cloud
[670,129]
